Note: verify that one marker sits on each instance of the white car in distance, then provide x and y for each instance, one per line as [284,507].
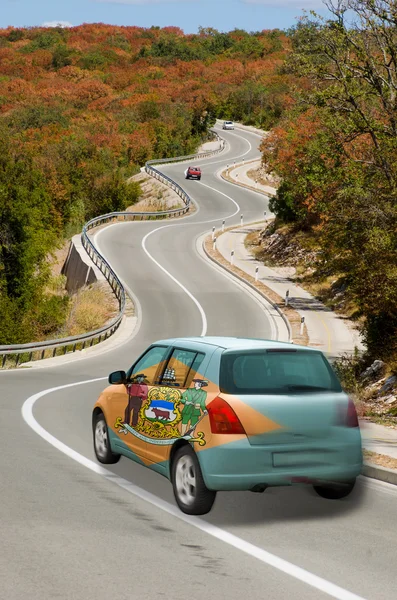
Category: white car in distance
[228,125]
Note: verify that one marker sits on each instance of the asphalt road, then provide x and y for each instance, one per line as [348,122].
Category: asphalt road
[73,530]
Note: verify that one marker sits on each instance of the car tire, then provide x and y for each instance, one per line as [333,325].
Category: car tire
[191,494]
[102,448]
[335,492]
[199,178]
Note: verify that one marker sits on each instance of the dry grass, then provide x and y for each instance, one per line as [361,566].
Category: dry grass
[156,196]
[259,176]
[379,459]
[291,315]
[227,177]
[90,308]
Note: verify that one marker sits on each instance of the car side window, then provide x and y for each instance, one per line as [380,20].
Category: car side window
[150,364]
[181,367]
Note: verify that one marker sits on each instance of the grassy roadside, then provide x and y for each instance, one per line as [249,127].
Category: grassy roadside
[379,459]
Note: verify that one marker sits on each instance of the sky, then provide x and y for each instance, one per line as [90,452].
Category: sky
[189,15]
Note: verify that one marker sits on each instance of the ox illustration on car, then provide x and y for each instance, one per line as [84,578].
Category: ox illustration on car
[228,125]
[193,173]
[220,413]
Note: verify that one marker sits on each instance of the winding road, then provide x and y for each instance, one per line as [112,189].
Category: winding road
[74,530]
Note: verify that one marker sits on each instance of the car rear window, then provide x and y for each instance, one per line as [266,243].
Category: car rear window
[276,372]
[195,169]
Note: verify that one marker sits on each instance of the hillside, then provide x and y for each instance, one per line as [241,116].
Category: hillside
[81,109]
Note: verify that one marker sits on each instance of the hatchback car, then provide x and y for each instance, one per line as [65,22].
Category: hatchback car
[193,173]
[218,413]
[228,125]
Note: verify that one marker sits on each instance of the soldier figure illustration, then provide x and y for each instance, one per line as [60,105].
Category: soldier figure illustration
[193,400]
[137,393]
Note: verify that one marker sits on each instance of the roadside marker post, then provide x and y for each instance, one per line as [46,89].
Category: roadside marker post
[213,232]
[256,273]
[241,220]
[302,325]
[214,244]
[232,257]
[287,298]
[223,226]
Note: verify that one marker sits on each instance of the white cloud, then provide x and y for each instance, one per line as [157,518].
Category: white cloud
[57,24]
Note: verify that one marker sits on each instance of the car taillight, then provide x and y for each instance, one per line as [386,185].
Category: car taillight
[223,419]
[348,417]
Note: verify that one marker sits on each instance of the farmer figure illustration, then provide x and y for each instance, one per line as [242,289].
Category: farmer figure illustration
[193,400]
[137,393]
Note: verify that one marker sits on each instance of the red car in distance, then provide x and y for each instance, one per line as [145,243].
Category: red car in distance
[193,173]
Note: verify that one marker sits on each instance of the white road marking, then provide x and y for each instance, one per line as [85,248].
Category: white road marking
[266,557]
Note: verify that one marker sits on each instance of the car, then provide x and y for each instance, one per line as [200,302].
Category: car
[193,173]
[228,125]
[221,413]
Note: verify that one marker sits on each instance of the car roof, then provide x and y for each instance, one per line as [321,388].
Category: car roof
[232,343]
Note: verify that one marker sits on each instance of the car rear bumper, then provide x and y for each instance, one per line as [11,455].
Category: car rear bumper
[239,466]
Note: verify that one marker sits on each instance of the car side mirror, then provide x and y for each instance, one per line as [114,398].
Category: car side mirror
[117,377]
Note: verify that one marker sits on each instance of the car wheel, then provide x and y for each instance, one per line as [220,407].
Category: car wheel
[190,491]
[199,178]
[335,492]
[102,448]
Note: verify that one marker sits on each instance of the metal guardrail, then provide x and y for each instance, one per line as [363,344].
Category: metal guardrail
[21,353]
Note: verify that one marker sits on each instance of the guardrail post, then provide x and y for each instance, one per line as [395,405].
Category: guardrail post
[54,352]
[3,362]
